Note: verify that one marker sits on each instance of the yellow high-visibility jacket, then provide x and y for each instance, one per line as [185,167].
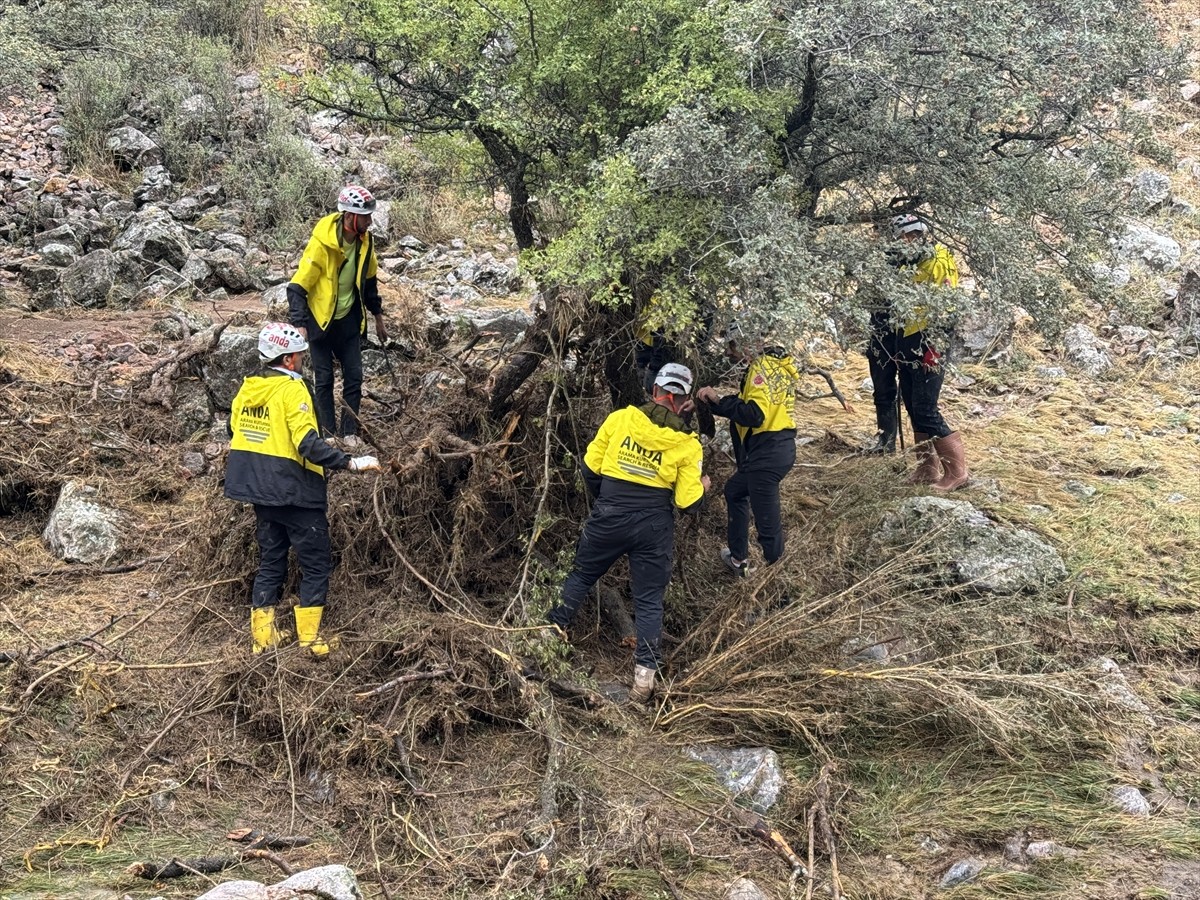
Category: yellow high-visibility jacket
[276,457]
[939,269]
[641,457]
[760,414]
[312,293]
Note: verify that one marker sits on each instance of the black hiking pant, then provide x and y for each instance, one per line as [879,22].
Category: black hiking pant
[647,537]
[893,358]
[753,490]
[305,529]
[343,341]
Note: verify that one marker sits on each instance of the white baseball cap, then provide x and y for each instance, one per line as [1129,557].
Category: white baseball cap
[675,378]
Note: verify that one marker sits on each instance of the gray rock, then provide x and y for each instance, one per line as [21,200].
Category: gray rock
[185,209]
[410,242]
[968,549]
[1133,334]
[1131,800]
[983,333]
[196,110]
[751,774]
[42,281]
[276,302]
[131,149]
[327,882]
[170,326]
[211,195]
[745,889]
[118,210]
[250,81]
[867,386]
[1190,91]
[1185,314]
[1114,687]
[239,890]
[229,269]
[58,255]
[62,235]
[234,357]
[156,185]
[381,221]
[191,410]
[1077,488]
[1141,242]
[1051,373]
[961,872]
[1049,850]
[155,237]
[1149,190]
[1083,348]
[1176,497]
[504,321]
[101,278]
[81,529]
[1116,276]
[196,271]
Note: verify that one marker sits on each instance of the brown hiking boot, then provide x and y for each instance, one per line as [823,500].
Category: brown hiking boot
[643,684]
[928,468]
[954,463]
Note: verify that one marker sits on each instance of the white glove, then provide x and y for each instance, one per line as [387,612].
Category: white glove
[364,464]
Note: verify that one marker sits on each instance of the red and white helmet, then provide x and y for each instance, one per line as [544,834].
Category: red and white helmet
[356,199]
[908,224]
[279,339]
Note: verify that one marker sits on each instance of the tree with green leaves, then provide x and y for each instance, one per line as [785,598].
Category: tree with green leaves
[702,156]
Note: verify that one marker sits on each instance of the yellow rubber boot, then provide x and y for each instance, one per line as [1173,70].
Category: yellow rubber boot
[263,632]
[308,626]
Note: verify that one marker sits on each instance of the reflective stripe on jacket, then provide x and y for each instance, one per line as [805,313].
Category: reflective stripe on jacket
[276,457]
[317,277]
[632,449]
[938,269]
[762,410]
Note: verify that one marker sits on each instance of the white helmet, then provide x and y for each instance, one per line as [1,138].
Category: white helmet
[907,224]
[279,339]
[674,378]
[356,199]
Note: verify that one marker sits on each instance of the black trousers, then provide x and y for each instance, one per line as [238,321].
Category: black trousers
[343,341]
[647,537]
[893,358]
[754,490]
[306,530]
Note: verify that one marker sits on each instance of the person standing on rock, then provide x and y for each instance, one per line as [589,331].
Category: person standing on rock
[328,299]
[277,461]
[907,356]
[642,465]
[764,447]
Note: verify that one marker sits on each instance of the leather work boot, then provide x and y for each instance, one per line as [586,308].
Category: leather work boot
[954,463]
[263,633]
[308,626]
[928,468]
[643,684]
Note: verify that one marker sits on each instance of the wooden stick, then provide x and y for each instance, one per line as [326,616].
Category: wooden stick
[270,857]
[403,679]
[178,868]
[10,656]
[414,783]
[822,808]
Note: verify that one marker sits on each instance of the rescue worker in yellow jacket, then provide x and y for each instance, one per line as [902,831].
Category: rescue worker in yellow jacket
[277,461]
[907,355]
[764,447]
[642,465]
[328,299]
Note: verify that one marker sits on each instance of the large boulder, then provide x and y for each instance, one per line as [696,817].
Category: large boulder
[131,149]
[1149,190]
[229,270]
[751,774]
[963,547]
[1141,242]
[155,237]
[1085,350]
[234,357]
[81,529]
[101,278]
[326,882]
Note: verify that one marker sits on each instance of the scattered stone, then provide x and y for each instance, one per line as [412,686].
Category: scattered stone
[81,529]
[961,872]
[1049,850]
[156,185]
[1131,800]
[59,255]
[983,333]
[1037,510]
[234,357]
[745,889]
[1078,489]
[238,890]
[1190,91]
[1185,314]
[1149,190]
[155,237]
[229,269]
[1176,497]
[1114,687]
[867,386]
[250,81]
[1083,348]
[1051,373]
[751,774]
[131,149]
[1117,276]
[970,550]
[928,844]
[163,800]
[1100,429]
[276,302]
[326,882]
[196,271]
[101,278]
[191,412]
[1141,242]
